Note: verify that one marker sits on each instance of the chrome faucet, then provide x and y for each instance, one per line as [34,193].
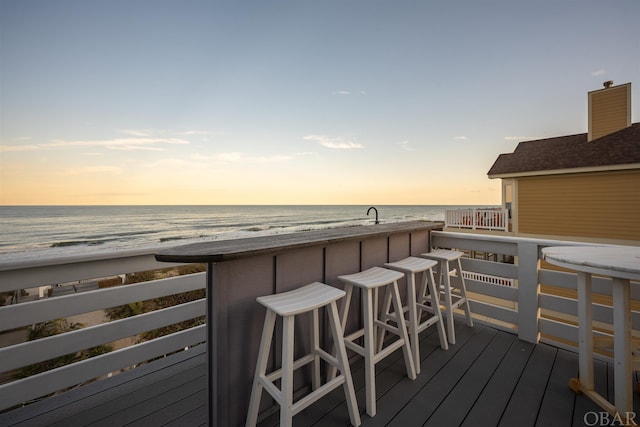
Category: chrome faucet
[376,210]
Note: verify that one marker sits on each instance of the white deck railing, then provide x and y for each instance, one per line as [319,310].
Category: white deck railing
[487,278]
[539,305]
[33,275]
[478,219]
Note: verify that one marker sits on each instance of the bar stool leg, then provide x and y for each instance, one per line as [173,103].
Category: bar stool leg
[286,405]
[385,316]
[406,348]
[261,368]
[413,320]
[424,293]
[428,280]
[343,311]
[369,341]
[315,343]
[343,362]
[345,304]
[463,292]
[444,272]
[413,317]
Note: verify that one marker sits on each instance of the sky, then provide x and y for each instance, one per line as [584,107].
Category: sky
[293,102]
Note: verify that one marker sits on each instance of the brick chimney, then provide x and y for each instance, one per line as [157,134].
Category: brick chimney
[609,109]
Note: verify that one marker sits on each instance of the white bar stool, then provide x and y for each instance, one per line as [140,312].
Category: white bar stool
[309,298]
[444,257]
[410,266]
[368,281]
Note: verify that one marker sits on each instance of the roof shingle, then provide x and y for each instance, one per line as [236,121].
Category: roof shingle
[569,152]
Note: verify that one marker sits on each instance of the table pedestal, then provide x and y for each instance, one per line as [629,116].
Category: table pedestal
[623,374]
[622,264]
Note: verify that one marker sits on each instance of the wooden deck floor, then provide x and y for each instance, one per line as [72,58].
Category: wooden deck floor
[165,392]
[489,378]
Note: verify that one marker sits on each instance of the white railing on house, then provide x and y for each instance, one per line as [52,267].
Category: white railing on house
[17,317]
[478,219]
[525,298]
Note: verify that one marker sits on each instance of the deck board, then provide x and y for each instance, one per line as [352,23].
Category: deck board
[123,393]
[525,401]
[391,403]
[584,405]
[496,393]
[428,399]
[558,401]
[463,396]
[488,378]
[146,398]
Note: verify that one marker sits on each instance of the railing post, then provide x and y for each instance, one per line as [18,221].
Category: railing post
[505,219]
[474,215]
[528,291]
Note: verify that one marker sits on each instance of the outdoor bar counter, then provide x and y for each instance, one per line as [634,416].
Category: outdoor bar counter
[239,271]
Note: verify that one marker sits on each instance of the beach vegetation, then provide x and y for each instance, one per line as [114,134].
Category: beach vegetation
[51,328]
[141,307]
[4,297]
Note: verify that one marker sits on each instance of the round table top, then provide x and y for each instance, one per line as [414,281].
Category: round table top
[613,261]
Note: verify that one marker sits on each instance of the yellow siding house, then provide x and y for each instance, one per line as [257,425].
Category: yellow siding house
[583,187]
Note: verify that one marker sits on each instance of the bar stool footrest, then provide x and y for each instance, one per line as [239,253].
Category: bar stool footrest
[348,342]
[297,364]
[318,394]
[429,322]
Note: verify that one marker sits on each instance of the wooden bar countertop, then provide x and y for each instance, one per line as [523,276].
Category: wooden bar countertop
[225,250]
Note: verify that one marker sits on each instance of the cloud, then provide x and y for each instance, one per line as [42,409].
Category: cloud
[135,132]
[157,132]
[600,72]
[405,146]
[239,157]
[198,132]
[348,92]
[172,163]
[93,169]
[461,138]
[15,148]
[234,156]
[333,142]
[136,139]
[133,143]
[520,138]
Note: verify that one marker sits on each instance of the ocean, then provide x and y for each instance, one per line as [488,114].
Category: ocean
[32,232]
